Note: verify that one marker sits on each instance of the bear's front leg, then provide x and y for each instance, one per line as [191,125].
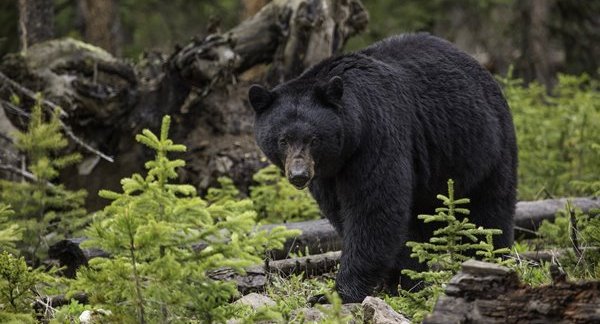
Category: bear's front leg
[324,192]
[375,231]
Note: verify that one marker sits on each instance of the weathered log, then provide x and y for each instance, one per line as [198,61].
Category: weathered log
[312,265]
[488,293]
[202,85]
[318,236]
[529,215]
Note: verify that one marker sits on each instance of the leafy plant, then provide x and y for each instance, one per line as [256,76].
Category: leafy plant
[276,200]
[164,240]
[45,211]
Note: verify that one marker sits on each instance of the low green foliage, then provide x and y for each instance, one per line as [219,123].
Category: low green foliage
[226,191]
[578,234]
[157,272]
[276,200]
[449,246]
[558,135]
[291,294]
[46,212]
[69,313]
[333,312]
[20,285]
[17,282]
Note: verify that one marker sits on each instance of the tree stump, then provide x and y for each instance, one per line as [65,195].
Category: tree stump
[488,293]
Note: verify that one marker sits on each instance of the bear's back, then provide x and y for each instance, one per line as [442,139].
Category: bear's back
[418,52]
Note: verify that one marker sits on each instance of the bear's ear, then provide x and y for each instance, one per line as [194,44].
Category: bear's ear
[331,91]
[260,98]
[334,88]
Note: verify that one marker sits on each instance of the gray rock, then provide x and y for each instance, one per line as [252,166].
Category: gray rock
[310,314]
[255,301]
[376,311]
[314,314]
[475,267]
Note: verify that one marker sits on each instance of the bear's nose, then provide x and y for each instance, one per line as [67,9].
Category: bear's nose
[298,176]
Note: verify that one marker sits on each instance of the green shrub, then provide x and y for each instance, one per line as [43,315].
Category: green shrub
[277,201]
[558,135]
[157,272]
[10,233]
[46,212]
[19,287]
[17,282]
[578,234]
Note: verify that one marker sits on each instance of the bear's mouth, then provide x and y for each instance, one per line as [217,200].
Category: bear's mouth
[299,183]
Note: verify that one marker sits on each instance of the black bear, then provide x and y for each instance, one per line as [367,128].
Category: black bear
[376,134]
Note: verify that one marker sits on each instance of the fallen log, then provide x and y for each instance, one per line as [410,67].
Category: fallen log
[319,236]
[488,293]
[313,265]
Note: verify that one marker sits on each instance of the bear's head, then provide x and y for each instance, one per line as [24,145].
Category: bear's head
[299,127]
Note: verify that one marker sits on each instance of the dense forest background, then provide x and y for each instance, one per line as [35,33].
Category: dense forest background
[538,37]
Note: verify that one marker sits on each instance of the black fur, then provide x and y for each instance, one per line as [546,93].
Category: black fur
[414,111]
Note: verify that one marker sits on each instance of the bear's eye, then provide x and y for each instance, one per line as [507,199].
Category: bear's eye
[314,141]
[283,142]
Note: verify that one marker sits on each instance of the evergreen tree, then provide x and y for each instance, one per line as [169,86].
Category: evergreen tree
[450,245]
[9,232]
[277,201]
[158,272]
[47,212]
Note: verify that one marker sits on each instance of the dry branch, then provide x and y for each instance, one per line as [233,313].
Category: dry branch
[312,265]
[62,113]
[23,173]
[31,94]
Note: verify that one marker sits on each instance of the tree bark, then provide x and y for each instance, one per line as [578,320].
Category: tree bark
[36,22]
[251,7]
[539,41]
[102,25]
[488,293]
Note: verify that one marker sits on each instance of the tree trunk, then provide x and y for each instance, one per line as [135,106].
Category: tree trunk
[536,49]
[539,42]
[251,7]
[36,21]
[102,24]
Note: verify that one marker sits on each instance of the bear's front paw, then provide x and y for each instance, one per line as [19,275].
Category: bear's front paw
[318,299]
